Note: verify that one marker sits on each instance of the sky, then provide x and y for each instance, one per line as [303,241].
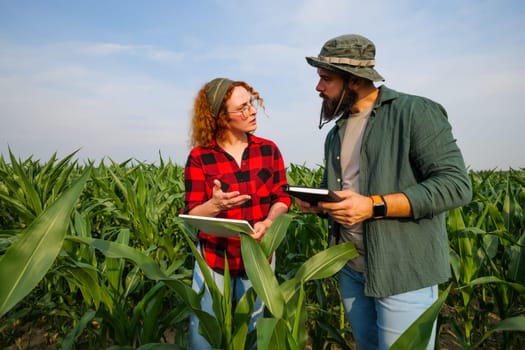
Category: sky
[116,80]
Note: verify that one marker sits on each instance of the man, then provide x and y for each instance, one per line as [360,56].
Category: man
[394,161]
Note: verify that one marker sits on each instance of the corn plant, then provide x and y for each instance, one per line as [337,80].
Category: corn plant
[27,260]
[112,293]
[121,277]
[285,302]
[488,261]
[129,206]
[28,187]
[285,330]
[143,326]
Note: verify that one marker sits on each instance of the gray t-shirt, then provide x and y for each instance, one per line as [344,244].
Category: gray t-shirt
[350,152]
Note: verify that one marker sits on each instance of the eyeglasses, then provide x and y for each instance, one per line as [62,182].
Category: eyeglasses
[245,109]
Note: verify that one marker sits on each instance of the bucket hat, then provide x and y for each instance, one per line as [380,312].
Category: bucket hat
[350,53]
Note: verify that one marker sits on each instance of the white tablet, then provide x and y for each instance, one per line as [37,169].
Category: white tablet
[218,226]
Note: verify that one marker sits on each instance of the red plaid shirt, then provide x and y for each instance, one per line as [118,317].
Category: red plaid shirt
[261,174]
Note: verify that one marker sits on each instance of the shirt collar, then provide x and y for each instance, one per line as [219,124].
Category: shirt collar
[252,139]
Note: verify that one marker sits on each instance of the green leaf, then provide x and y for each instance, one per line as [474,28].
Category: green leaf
[455,220]
[261,276]
[190,297]
[224,310]
[327,262]
[28,259]
[114,268]
[276,234]
[69,340]
[273,334]
[146,313]
[322,265]
[209,325]
[117,250]
[85,278]
[512,324]
[241,318]
[210,328]
[517,261]
[30,193]
[493,279]
[300,316]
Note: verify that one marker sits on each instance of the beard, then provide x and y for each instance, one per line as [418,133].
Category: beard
[331,108]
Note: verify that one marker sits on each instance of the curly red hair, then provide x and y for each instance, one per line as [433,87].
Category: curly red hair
[205,127]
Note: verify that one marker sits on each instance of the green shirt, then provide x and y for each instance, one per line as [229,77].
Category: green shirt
[407,147]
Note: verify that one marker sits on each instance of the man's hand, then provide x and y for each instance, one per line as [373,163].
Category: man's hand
[306,207]
[354,208]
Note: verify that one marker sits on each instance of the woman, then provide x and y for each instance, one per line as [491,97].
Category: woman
[230,173]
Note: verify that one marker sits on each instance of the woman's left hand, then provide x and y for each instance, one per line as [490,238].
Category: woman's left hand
[260,229]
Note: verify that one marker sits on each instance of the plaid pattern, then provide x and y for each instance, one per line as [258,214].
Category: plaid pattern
[261,174]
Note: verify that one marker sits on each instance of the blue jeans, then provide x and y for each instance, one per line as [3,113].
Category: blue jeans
[376,323]
[238,286]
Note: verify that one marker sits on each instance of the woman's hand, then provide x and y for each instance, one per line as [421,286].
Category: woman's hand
[260,229]
[227,200]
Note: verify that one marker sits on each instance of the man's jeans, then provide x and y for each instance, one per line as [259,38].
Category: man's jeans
[376,323]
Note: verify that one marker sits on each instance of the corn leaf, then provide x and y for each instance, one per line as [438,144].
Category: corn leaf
[322,265]
[85,278]
[493,279]
[517,261]
[26,187]
[273,334]
[261,276]
[69,340]
[241,319]
[511,324]
[327,262]
[117,250]
[276,234]
[26,262]
[208,324]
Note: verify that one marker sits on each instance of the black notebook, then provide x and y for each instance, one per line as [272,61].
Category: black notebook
[312,195]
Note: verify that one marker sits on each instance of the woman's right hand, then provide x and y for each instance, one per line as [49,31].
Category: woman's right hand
[227,200]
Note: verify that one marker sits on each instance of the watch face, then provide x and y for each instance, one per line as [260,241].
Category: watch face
[379,210]
[378,207]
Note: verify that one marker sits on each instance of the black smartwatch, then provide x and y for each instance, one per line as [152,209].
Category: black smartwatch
[378,207]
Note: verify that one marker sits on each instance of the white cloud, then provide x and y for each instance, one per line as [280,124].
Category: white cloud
[112,49]
[106,49]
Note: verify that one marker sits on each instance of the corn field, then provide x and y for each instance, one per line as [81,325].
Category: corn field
[93,256]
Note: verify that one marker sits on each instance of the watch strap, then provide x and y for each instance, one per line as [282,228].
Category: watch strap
[378,207]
